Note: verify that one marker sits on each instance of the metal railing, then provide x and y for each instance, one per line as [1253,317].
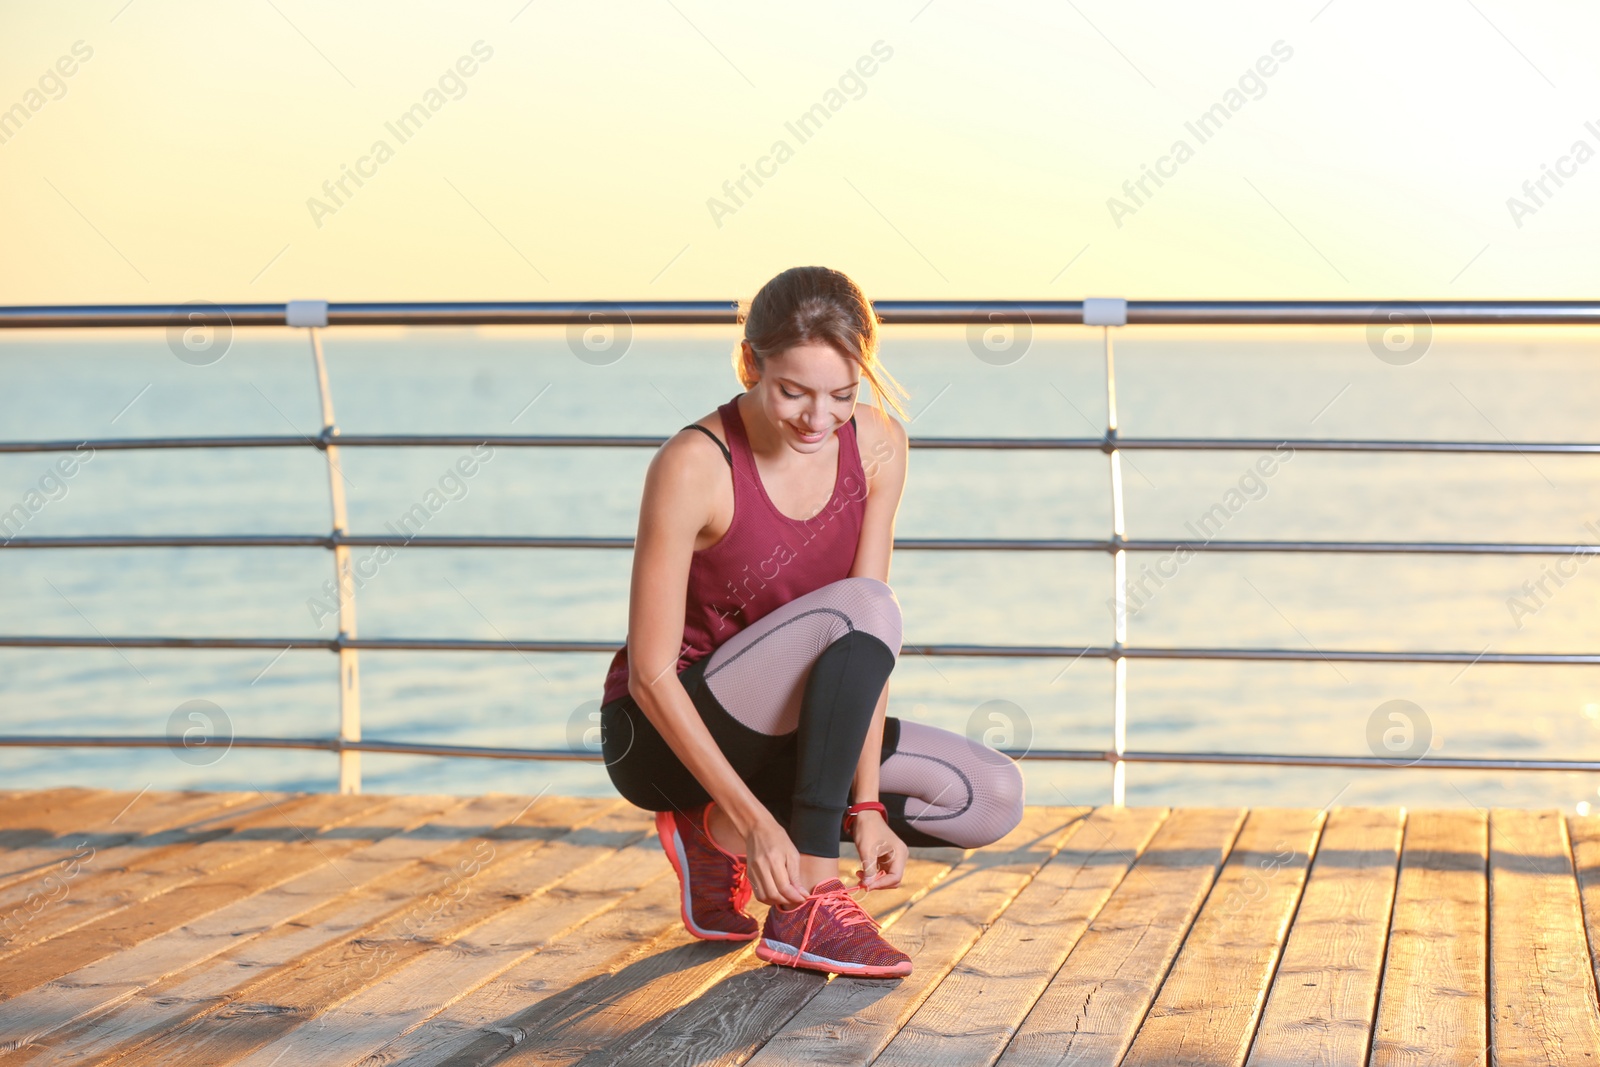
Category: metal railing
[1105,313]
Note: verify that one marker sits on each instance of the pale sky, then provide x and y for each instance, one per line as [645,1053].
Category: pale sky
[578,159]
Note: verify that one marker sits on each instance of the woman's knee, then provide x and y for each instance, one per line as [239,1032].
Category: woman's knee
[871,605]
[974,793]
[1008,792]
[819,618]
[996,801]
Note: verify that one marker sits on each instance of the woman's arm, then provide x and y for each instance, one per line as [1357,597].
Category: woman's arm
[885,461]
[677,504]
[883,458]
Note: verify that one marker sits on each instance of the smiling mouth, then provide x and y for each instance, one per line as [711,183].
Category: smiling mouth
[819,435]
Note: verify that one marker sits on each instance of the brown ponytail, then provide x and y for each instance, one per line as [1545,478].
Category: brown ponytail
[813,305]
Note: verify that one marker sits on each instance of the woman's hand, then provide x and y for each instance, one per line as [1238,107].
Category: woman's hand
[773,864]
[883,854]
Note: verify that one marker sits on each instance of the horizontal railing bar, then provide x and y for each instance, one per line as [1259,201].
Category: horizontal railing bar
[1447,548]
[1276,654]
[670,313]
[140,444]
[311,541]
[1006,444]
[433,644]
[1236,444]
[895,312]
[401,644]
[938,544]
[1359,313]
[1467,763]
[408,748]
[330,744]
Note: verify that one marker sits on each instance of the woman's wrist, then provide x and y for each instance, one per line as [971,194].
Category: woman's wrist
[865,820]
[863,807]
[746,813]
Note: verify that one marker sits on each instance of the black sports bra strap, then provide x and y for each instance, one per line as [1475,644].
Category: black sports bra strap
[726,454]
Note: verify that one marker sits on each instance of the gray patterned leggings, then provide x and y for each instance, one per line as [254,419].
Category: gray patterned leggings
[789,700]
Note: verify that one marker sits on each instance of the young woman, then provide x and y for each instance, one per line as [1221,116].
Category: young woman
[747,707]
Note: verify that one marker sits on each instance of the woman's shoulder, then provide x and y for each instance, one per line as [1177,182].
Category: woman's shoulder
[692,447]
[712,423]
[872,419]
[880,438]
[687,475]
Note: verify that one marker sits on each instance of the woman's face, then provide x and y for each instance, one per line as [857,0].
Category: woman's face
[808,392]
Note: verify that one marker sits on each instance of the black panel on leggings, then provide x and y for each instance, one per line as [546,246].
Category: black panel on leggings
[803,778]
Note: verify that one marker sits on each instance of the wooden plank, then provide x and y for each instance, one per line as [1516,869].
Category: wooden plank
[1432,1008]
[975,1011]
[1093,1005]
[134,870]
[740,1014]
[1207,1009]
[40,816]
[44,874]
[1323,998]
[199,920]
[166,861]
[636,951]
[1542,1006]
[26,808]
[321,836]
[23,809]
[1584,833]
[545,945]
[402,908]
[626,909]
[88,843]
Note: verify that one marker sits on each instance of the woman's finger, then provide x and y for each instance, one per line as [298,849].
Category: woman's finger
[897,864]
[873,854]
[779,892]
[869,865]
[788,895]
[797,893]
[760,884]
[777,878]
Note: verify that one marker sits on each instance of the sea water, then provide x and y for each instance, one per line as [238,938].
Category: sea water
[1286,384]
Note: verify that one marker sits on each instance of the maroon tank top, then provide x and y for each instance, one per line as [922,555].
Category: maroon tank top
[766,559]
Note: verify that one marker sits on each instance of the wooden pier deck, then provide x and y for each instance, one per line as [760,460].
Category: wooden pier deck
[290,929]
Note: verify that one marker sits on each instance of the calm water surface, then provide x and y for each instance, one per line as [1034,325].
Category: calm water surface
[1478,385]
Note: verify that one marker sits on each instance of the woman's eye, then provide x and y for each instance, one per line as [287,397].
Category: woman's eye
[796,396]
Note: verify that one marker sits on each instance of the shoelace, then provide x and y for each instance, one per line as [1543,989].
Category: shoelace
[846,908]
[739,890]
[851,912]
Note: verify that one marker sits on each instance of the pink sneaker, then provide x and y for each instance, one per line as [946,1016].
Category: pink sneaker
[832,933]
[712,882]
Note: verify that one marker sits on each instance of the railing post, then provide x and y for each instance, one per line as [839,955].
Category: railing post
[1108,312]
[313,315]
